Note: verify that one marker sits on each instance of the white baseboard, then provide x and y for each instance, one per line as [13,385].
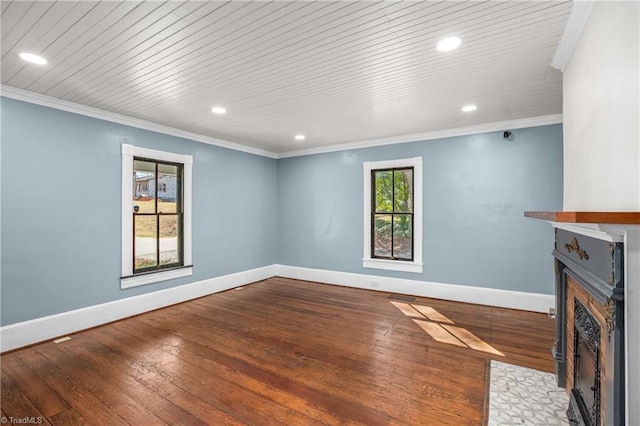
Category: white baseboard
[37,330]
[483,296]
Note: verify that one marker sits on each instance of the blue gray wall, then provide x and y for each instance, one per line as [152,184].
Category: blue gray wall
[61,208]
[476,189]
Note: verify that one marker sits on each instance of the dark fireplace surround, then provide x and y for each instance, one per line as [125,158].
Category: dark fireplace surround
[589,347]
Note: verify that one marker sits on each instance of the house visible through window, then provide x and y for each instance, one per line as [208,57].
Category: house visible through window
[393,215]
[157,222]
[156,216]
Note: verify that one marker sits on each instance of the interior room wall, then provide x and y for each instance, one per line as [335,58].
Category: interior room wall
[476,189]
[601,84]
[61,209]
[601,112]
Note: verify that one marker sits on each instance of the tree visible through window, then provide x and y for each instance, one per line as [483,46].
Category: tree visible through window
[392,214]
[157,221]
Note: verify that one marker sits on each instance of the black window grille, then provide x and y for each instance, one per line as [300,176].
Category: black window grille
[392,213]
[157,219]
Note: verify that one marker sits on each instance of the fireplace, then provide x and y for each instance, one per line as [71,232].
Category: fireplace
[597,264]
[589,348]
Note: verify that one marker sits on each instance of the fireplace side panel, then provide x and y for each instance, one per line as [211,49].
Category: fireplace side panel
[559,350]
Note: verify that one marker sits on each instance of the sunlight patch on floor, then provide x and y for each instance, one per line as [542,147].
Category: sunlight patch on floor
[471,340]
[441,328]
[438,333]
[407,309]
[432,314]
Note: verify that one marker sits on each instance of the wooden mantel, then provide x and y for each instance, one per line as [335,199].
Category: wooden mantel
[615,218]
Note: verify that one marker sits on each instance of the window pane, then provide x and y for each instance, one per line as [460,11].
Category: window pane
[167,188]
[382,235]
[145,241]
[384,191]
[144,186]
[402,236]
[169,239]
[403,187]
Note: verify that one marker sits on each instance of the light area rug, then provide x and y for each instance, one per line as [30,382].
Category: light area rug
[523,396]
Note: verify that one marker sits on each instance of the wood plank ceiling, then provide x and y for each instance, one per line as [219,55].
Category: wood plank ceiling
[336,71]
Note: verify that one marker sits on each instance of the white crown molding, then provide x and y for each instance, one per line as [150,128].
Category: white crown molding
[37,330]
[436,134]
[460,293]
[580,11]
[51,102]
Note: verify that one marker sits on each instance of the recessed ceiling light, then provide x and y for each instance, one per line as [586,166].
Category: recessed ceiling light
[469,108]
[447,44]
[219,110]
[299,137]
[34,59]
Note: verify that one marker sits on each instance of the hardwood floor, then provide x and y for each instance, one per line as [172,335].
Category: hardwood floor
[279,351]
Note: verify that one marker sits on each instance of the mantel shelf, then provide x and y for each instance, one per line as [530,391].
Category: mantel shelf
[614,218]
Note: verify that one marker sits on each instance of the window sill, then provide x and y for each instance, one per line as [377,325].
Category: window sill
[392,265]
[154,277]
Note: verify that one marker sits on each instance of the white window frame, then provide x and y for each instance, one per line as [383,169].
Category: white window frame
[127,279]
[368,261]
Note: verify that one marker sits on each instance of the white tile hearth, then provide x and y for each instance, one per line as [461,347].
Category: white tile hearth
[522,396]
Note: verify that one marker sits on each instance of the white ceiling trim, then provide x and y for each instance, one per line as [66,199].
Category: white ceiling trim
[580,12]
[51,102]
[48,101]
[437,134]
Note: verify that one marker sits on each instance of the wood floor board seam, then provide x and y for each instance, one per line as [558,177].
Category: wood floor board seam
[281,351]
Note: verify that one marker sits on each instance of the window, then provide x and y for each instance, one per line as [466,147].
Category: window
[156,230]
[157,223]
[393,215]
